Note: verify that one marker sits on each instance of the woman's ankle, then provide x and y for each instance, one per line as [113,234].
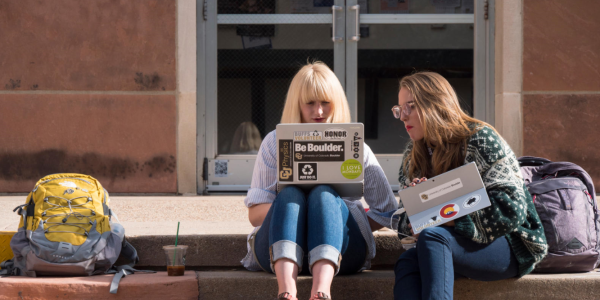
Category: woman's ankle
[323,272]
[293,293]
[286,296]
[319,296]
[286,272]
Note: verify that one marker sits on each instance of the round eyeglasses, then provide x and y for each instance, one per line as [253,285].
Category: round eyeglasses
[406,109]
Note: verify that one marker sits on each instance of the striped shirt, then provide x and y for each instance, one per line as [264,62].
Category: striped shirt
[377,193]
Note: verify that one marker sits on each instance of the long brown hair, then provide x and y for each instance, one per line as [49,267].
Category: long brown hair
[445,125]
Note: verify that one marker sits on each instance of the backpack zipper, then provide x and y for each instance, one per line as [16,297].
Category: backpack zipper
[36,187]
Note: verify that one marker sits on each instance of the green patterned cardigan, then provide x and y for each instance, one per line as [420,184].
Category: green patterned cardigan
[512,213]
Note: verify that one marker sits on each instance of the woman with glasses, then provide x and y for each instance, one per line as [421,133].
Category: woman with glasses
[502,241]
[319,232]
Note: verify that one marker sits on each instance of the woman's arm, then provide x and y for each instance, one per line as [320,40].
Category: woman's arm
[508,195]
[263,187]
[377,192]
[257,213]
[374,225]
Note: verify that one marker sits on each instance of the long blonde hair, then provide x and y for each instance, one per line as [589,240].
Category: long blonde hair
[315,81]
[446,126]
[246,139]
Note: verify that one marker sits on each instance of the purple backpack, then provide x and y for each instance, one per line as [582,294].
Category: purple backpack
[564,198]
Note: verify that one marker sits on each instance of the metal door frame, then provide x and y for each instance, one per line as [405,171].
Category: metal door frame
[209,124]
[483,69]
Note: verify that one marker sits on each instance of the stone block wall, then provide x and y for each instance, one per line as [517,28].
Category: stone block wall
[89,87]
[561,81]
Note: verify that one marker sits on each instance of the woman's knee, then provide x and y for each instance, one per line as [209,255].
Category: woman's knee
[291,194]
[320,193]
[408,260]
[434,235]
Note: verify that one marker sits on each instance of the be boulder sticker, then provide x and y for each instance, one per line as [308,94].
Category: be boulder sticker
[308,171]
[318,151]
[351,169]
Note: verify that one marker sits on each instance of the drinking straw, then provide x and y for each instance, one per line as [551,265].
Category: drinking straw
[176,238]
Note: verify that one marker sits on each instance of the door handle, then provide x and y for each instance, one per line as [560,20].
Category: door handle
[334,38]
[356,8]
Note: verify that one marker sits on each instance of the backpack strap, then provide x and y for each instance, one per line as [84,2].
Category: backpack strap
[129,254]
[27,212]
[120,272]
[8,269]
[532,161]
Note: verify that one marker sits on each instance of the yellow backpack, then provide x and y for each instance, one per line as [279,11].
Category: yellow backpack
[68,229]
[69,207]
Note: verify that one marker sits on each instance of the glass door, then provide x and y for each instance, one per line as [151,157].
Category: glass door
[389,39]
[254,48]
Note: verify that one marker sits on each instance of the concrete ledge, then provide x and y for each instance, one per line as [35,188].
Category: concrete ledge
[248,285]
[137,286]
[228,249]
[375,285]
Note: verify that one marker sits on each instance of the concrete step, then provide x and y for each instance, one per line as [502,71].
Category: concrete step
[372,285]
[215,228]
[137,286]
[375,285]
[226,250]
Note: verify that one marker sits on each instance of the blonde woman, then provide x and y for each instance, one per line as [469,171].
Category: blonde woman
[316,232]
[503,241]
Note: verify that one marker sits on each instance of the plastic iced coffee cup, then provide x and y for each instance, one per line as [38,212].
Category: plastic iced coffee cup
[408,242]
[175,259]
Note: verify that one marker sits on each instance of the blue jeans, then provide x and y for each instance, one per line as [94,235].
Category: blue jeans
[428,271]
[319,226]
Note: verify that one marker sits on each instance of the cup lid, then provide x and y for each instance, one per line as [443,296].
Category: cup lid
[408,240]
[170,247]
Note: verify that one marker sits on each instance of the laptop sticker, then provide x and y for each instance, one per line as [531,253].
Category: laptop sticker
[308,171]
[286,165]
[472,201]
[431,222]
[356,145]
[449,211]
[335,134]
[351,169]
[308,135]
[319,151]
[441,190]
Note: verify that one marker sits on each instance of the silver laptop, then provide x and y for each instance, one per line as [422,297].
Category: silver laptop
[445,197]
[321,153]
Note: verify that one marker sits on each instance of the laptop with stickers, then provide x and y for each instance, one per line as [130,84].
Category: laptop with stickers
[321,153]
[445,197]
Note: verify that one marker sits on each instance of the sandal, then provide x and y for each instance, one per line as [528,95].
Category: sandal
[286,296]
[320,296]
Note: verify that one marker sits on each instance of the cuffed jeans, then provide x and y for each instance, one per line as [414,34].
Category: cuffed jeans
[318,226]
[428,271]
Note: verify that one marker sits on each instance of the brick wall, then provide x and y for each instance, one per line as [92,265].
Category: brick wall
[561,81]
[89,87]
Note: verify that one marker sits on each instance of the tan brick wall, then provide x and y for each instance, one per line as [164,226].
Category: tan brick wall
[561,81]
[90,87]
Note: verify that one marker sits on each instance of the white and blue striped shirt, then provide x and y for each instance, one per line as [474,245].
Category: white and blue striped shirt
[377,193]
